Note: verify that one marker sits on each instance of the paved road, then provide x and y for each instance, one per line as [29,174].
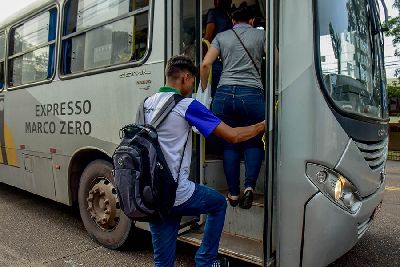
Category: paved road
[38,232]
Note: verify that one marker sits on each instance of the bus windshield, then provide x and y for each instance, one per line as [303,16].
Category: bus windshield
[350,55]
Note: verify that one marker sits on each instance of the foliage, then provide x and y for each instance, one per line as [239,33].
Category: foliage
[394,31]
[393,89]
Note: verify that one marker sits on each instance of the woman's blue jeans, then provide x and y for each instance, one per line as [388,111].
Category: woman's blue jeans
[240,106]
[204,200]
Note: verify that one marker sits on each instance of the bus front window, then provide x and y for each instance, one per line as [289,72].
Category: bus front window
[350,56]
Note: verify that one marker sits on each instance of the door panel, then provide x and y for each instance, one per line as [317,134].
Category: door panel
[39,174]
[3,155]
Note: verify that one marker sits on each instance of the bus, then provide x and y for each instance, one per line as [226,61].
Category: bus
[73,72]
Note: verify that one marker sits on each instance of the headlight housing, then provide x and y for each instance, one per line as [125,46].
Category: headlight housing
[336,187]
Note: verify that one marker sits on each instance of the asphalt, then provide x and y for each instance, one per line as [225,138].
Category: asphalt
[39,232]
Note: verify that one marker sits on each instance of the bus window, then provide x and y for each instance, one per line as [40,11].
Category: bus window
[350,57]
[2,55]
[94,36]
[32,49]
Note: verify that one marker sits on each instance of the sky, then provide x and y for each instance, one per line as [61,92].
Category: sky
[8,7]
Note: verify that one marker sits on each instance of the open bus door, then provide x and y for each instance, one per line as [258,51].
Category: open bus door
[270,238]
[248,234]
[182,28]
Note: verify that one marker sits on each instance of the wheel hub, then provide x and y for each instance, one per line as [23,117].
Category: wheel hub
[103,204]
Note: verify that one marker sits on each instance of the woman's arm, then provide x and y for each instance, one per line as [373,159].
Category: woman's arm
[205,67]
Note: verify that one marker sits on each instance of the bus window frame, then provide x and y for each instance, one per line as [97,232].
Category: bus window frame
[4,60]
[113,67]
[321,84]
[20,22]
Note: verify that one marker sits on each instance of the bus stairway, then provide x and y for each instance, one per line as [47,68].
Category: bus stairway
[242,234]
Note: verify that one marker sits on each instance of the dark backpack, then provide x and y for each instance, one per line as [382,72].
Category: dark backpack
[145,186]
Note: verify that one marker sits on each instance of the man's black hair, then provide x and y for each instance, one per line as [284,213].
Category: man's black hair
[242,14]
[177,64]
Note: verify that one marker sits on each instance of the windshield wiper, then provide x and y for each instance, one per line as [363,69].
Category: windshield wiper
[385,28]
[374,17]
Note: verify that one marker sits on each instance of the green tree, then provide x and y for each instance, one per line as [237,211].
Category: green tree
[393,89]
[394,31]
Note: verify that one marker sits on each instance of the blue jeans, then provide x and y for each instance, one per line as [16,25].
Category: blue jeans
[203,201]
[240,106]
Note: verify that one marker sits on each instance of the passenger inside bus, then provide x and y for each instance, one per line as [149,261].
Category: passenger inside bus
[240,234]
[218,20]
[239,99]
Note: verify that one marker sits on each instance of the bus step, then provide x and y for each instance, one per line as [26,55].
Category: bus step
[238,222]
[238,247]
[215,177]
[188,223]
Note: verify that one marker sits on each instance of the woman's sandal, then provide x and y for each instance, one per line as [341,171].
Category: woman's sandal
[246,201]
[232,202]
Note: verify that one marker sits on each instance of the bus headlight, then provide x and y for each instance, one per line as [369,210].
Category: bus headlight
[336,187]
[339,188]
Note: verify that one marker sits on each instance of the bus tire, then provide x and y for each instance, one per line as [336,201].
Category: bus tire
[99,206]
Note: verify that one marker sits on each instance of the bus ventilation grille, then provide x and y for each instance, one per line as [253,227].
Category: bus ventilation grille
[374,153]
[363,227]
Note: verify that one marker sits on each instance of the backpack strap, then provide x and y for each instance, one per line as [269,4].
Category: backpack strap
[166,109]
[183,154]
[140,113]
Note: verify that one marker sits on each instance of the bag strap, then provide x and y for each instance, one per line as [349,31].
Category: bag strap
[183,154]
[162,114]
[165,110]
[248,53]
[140,113]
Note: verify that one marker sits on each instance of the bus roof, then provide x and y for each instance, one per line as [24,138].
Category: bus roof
[26,12]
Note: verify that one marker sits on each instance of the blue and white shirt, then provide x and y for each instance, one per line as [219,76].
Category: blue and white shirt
[172,135]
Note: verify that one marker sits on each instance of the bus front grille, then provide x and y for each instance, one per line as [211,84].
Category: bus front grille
[363,227]
[374,153]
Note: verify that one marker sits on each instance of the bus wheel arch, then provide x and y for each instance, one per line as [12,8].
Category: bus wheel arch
[78,163]
[98,203]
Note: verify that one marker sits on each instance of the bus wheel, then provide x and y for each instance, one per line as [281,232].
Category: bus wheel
[100,208]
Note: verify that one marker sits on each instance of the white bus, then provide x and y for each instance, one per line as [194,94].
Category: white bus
[72,73]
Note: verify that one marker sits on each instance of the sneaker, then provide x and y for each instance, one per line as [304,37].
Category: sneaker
[221,262]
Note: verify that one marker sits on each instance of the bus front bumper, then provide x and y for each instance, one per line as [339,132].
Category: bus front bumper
[330,231]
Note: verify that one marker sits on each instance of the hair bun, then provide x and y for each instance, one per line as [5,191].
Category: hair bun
[242,14]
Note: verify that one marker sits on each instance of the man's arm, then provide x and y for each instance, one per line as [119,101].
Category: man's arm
[210,29]
[208,60]
[238,134]
[206,122]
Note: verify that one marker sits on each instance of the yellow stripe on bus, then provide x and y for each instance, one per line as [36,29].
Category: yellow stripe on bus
[392,188]
[11,150]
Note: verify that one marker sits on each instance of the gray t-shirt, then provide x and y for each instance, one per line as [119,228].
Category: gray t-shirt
[238,69]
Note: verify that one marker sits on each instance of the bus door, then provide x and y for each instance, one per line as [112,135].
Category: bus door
[3,157]
[270,238]
[182,30]
[247,234]
[3,154]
